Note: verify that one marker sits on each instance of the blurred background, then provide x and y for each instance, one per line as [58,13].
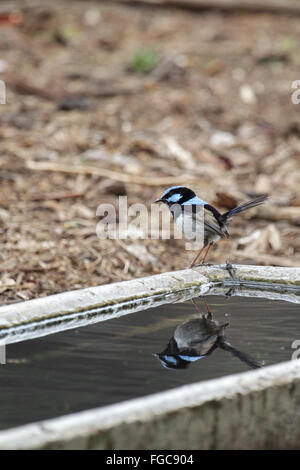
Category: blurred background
[109,98]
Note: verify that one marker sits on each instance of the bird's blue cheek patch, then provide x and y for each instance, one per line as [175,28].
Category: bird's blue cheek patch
[171,359]
[174,198]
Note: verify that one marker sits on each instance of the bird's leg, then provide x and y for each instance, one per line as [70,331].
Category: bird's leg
[209,312]
[196,257]
[209,247]
[198,308]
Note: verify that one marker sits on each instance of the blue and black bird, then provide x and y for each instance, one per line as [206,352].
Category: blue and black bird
[213,224]
[198,337]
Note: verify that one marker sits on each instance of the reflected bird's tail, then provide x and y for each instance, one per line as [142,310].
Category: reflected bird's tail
[246,358]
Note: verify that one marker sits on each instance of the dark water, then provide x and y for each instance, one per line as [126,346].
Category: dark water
[113,360]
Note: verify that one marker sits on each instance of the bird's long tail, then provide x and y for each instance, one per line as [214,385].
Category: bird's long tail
[246,358]
[248,205]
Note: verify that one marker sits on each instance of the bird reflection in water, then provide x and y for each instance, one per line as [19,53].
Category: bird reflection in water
[197,338]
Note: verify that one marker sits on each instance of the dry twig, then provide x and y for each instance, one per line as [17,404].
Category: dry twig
[114,175]
[274,6]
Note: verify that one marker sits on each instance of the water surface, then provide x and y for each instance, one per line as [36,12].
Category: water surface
[114,360]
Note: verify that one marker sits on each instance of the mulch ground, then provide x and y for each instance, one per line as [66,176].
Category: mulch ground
[105,100]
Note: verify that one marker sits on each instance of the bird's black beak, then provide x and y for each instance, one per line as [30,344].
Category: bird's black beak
[158,200]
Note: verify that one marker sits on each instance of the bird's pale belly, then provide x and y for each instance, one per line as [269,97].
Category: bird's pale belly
[195,229]
[190,228]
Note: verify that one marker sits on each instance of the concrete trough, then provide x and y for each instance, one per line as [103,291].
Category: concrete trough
[38,317]
[253,410]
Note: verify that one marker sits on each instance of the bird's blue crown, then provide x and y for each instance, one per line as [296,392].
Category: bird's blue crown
[181,195]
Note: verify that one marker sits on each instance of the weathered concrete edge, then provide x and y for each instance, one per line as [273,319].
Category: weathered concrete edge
[110,294]
[242,291]
[138,423]
[56,324]
[249,273]
[96,297]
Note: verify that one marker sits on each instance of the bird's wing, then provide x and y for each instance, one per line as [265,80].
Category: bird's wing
[211,220]
[198,217]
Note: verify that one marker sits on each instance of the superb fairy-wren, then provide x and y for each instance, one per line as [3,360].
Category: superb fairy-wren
[198,337]
[186,206]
